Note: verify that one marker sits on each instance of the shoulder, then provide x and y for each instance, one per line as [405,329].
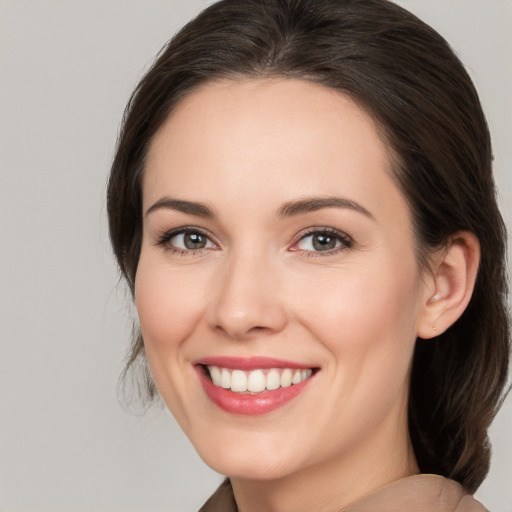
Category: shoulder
[420,493]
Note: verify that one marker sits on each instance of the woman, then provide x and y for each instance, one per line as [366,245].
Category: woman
[303,206]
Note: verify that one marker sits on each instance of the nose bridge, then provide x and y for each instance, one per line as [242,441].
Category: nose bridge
[247,299]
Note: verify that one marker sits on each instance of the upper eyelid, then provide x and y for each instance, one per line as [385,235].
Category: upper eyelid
[322,229]
[311,231]
[346,240]
[166,235]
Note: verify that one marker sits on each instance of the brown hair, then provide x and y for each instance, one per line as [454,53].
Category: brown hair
[405,74]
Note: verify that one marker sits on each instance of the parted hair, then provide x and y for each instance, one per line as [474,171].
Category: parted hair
[407,77]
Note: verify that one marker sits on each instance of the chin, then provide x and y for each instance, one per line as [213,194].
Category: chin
[237,460]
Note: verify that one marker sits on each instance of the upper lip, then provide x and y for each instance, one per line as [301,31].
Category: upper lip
[249,363]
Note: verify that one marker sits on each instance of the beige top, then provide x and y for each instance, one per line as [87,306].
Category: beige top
[420,493]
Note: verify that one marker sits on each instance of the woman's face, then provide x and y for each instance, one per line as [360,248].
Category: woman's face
[278,254]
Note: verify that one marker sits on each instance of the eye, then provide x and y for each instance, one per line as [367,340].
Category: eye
[186,240]
[190,241]
[325,240]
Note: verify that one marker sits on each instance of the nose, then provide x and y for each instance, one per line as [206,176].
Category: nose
[248,300]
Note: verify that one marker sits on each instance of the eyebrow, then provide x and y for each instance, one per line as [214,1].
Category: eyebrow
[289,209]
[311,204]
[192,208]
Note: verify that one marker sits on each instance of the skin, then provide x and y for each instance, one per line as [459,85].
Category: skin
[258,288]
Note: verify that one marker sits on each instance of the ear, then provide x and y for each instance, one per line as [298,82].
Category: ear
[451,284]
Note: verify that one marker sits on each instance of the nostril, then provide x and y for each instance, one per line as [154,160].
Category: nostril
[241,332]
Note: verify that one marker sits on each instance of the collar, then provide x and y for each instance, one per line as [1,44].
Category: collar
[419,493]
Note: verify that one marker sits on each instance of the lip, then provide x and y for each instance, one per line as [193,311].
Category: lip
[249,363]
[249,404]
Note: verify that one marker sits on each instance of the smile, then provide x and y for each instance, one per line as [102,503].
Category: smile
[259,380]
[252,386]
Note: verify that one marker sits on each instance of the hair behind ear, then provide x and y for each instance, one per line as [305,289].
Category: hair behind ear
[456,390]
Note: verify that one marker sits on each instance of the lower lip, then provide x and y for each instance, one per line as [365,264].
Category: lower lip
[249,404]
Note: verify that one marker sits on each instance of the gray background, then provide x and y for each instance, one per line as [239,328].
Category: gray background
[66,70]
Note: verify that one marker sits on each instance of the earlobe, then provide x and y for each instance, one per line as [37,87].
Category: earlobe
[453,280]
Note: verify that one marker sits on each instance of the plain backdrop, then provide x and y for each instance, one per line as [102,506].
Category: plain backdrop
[66,70]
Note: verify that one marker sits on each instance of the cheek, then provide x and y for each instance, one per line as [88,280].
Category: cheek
[363,314]
[366,321]
[168,304]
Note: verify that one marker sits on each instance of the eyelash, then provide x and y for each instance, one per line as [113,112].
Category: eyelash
[346,242]
[165,239]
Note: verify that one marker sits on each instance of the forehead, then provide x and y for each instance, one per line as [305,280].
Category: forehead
[242,138]
[255,108]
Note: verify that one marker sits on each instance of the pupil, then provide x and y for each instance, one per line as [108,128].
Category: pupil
[324,242]
[194,241]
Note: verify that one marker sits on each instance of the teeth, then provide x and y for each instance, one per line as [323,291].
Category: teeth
[256,381]
[216,375]
[225,379]
[286,378]
[238,381]
[273,379]
[297,377]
